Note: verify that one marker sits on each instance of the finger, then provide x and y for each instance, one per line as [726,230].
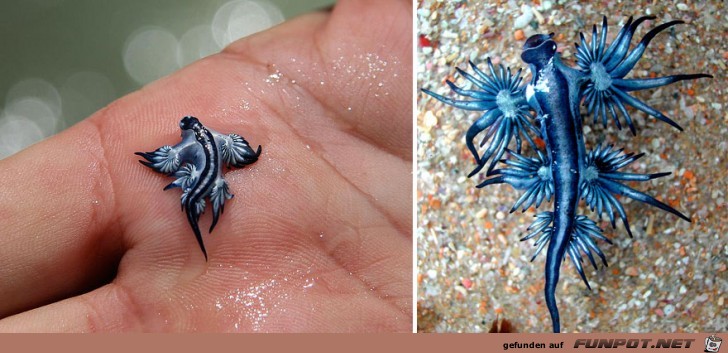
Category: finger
[364,90]
[365,84]
[291,207]
[56,199]
[68,202]
[269,278]
[284,202]
[265,304]
[138,121]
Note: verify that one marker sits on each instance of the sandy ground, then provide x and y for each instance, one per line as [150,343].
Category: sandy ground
[671,277]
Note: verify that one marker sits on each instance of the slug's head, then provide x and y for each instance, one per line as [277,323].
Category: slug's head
[539,48]
[190,123]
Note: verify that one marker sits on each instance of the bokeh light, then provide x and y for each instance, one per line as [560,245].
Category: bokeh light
[17,133]
[35,87]
[195,44]
[241,18]
[32,111]
[154,52]
[36,110]
[150,53]
[44,99]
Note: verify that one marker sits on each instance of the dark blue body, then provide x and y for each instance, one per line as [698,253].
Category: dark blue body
[211,171]
[567,172]
[560,134]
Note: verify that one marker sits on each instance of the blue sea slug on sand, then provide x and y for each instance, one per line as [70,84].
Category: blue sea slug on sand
[548,108]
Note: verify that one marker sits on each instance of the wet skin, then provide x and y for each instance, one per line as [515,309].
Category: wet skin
[314,240]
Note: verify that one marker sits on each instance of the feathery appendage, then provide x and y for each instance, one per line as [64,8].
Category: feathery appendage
[186,177]
[582,240]
[530,174]
[606,67]
[164,159]
[236,151]
[506,113]
[601,181]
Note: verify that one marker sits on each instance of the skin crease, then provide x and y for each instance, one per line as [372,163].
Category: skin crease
[317,237]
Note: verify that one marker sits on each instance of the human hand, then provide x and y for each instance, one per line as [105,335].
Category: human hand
[318,237]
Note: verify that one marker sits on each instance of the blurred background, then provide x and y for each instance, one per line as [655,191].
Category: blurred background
[62,60]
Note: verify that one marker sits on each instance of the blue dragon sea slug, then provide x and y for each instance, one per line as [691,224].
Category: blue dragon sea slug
[197,163]
[548,107]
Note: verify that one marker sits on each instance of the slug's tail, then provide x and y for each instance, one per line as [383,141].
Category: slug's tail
[574,238]
[554,257]
[550,291]
[194,210]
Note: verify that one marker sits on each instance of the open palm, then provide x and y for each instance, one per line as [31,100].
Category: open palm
[317,238]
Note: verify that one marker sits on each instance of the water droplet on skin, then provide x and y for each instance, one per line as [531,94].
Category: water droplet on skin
[274,77]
